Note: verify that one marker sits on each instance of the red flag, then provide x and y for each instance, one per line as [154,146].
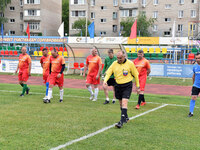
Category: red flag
[28,31]
[134,30]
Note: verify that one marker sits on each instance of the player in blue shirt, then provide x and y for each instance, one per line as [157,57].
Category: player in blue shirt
[196,84]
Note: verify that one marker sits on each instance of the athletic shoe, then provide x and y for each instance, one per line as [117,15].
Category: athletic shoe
[46,97]
[91,97]
[137,106]
[61,101]
[21,95]
[119,125]
[143,103]
[94,100]
[47,101]
[190,114]
[106,102]
[127,120]
[27,91]
[113,102]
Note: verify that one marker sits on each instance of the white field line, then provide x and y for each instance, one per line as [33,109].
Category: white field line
[98,98]
[103,129]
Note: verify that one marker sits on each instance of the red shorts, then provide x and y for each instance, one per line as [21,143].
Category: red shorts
[142,81]
[53,80]
[46,78]
[91,79]
[23,75]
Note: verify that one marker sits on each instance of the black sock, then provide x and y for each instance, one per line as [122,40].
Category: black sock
[124,114]
[139,99]
[22,84]
[143,99]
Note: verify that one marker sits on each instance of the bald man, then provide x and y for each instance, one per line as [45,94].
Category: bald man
[123,70]
[24,67]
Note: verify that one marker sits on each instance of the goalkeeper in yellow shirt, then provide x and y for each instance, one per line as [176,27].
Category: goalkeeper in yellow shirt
[124,70]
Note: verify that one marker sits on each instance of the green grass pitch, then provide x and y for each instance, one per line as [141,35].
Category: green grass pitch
[28,124]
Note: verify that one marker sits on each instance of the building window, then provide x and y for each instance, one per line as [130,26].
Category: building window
[180,14]
[92,2]
[78,13]
[168,6]
[180,27]
[92,15]
[21,15]
[34,25]
[124,13]
[144,3]
[114,15]
[192,27]
[114,28]
[166,33]
[181,1]
[21,27]
[1,14]
[102,33]
[31,12]
[80,2]
[155,2]
[194,1]
[12,32]
[193,13]
[155,14]
[155,27]
[115,2]
[12,20]
[128,1]
[12,8]
[32,2]
[167,19]
[103,20]
[21,2]
[103,7]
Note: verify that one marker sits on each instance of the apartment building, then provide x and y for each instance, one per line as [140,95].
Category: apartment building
[44,17]
[107,15]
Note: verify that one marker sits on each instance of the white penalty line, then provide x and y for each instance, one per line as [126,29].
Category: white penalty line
[98,98]
[103,129]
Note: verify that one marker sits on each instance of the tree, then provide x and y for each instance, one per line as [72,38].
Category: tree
[80,25]
[3,5]
[65,15]
[143,24]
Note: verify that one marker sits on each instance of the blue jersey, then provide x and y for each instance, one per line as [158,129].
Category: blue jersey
[196,70]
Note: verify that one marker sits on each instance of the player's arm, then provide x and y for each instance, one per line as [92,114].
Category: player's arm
[134,72]
[85,69]
[17,68]
[109,72]
[105,66]
[29,65]
[148,68]
[148,72]
[193,78]
[99,71]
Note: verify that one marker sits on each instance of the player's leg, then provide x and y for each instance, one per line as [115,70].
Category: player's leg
[52,80]
[96,92]
[105,88]
[61,93]
[142,81]
[195,93]
[89,87]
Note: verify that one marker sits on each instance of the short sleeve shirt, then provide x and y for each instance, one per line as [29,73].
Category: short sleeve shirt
[93,63]
[56,63]
[24,61]
[46,63]
[196,71]
[142,66]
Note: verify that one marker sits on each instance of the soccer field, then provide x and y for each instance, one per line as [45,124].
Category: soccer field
[27,123]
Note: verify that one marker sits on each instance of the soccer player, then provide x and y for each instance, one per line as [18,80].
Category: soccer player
[123,70]
[93,64]
[196,84]
[144,69]
[45,63]
[57,66]
[24,67]
[111,82]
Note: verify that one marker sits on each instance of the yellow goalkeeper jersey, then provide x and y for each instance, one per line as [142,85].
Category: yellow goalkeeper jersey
[123,73]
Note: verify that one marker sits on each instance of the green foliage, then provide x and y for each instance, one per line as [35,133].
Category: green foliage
[3,5]
[80,25]
[65,15]
[143,24]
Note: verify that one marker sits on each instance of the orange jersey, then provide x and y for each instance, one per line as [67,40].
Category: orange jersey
[45,61]
[142,66]
[93,63]
[24,61]
[56,63]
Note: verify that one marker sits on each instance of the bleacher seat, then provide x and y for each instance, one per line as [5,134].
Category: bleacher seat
[18,48]
[56,48]
[160,56]
[35,53]
[47,48]
[49,53]
[127,49]
[76,66]
[129,55]
[147,55]
[164,50]
[6,53]
[194,50]
[13,48]
[65,49]
[151,50]
[2,52]
[133,50]
[15,53]
[157,50]
[134,55]
[4,48]
[11,53]
[191,56]
[60,53]
[9,48]
[65,54]
[40,53]
[145,50]
[153,56]
[41,48]
[139,48]
[1,48]
[61,49]
[51,48]
[82,65]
